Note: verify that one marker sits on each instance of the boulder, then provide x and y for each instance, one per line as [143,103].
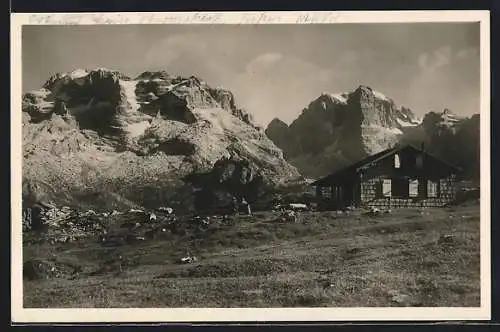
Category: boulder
[229,180]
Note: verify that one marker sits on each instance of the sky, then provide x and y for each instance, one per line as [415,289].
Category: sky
[276,70]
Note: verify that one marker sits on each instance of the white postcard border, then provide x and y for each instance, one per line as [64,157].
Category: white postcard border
[20,314]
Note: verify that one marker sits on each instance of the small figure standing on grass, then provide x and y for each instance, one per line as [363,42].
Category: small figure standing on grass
[152,216]
[120,259]
[246,206]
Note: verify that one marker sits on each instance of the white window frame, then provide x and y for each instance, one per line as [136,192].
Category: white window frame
[432,189]
[326,192]
[397,161]
[386,187]
[413,184]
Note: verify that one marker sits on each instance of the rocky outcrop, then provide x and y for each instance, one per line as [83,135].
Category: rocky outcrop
[36,269]
[337,129]
[230,179]
[94,133]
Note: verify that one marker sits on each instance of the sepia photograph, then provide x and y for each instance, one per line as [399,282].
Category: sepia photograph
[256,164]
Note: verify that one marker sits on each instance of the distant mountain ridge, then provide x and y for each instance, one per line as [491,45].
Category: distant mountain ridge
[335,130]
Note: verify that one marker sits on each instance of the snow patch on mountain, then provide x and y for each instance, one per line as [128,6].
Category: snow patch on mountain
[137,129]
[380,95]
[78,73]
[396,131]
[341,97]
[128,88]
[404,123]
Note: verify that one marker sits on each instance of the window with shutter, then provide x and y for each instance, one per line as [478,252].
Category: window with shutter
[432,189]
[413,188]
[442,186]
[326,192]
[386,187]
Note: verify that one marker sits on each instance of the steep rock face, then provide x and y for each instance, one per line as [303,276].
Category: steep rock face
[278,132]
[380,119]
[226,99]
[337,129]
[91,133]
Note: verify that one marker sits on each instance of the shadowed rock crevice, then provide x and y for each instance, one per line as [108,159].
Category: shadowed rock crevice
[172,107]
[176,147]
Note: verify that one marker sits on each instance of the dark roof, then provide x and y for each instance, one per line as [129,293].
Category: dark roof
[370,160]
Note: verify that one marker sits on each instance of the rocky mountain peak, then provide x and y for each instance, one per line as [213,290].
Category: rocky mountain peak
[447,111]
[277,123]
[94,129]
[335,130]
[347,127]
[155,75]
[366,92]
[80,75]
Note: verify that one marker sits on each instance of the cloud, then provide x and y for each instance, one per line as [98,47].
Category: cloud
[350,58]
[354,67]
[467,53]
[263,61]
[169,50]
[446,80]
[267,84]
[429,62]
[278,85]
[279,66]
